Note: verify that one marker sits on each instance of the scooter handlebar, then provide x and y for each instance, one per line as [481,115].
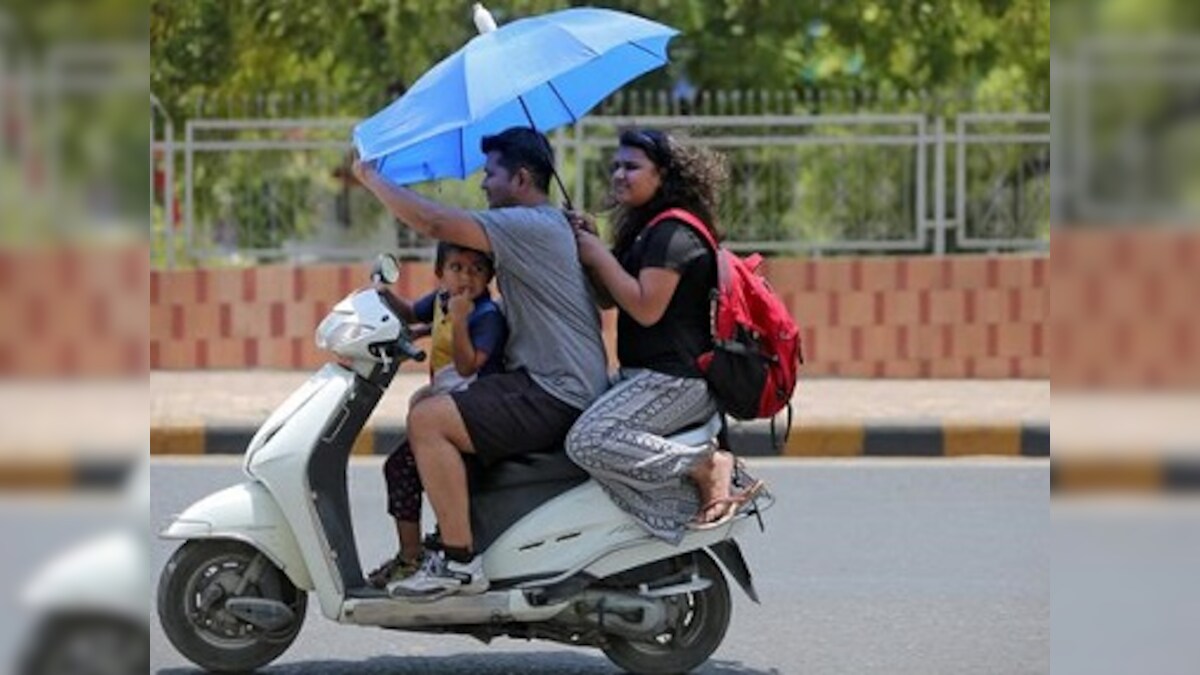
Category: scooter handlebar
[410,350]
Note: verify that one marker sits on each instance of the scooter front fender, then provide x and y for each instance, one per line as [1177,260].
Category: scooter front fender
[246,513]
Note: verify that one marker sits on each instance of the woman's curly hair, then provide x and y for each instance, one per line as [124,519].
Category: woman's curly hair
[692,178]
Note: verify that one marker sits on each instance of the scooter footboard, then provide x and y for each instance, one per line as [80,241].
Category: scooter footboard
[246,513]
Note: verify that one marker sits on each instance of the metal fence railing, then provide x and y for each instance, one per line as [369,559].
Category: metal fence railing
[1127,109]
[71,116]
[829,183]
[797,182]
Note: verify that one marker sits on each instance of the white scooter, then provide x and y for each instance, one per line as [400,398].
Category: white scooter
[564,562]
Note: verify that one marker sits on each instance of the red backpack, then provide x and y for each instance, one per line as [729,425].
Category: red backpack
[755,361]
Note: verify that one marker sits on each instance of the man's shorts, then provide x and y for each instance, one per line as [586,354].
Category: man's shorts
[508,415]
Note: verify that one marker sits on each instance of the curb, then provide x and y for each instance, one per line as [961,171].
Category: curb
[895,439]
[1125,473]
[749,439]
[63,474]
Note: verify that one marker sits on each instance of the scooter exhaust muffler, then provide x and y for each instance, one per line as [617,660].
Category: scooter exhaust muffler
[621,613]
[269,615]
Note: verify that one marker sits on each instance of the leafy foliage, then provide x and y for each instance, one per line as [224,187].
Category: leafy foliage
[359,54]
[360,50]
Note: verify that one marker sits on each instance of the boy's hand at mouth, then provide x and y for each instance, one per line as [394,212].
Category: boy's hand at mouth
[460,306]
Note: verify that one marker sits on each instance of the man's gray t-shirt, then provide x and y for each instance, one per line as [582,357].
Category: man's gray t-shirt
[553,324]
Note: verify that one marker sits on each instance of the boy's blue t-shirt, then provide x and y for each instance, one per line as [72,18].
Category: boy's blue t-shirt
[486,325]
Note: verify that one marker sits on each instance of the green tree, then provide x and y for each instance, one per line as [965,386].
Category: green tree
[980,54]
[358,49]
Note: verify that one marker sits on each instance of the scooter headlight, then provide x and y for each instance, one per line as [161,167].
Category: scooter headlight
[344,333]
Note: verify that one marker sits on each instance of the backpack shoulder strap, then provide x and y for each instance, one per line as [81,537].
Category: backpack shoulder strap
[688,217]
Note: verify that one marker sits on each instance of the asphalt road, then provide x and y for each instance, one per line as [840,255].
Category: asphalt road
[867,566]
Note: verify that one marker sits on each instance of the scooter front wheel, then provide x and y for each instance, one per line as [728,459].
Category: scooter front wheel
[700,621]
[193,592]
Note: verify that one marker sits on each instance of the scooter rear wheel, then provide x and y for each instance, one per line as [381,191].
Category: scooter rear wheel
[701,621]
[193,589]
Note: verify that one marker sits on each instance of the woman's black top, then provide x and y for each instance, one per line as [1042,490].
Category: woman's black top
[672,344]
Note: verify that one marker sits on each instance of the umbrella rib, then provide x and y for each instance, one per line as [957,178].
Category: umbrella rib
[566,107]
[656,56]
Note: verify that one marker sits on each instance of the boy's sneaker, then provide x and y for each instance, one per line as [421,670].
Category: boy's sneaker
[439,577]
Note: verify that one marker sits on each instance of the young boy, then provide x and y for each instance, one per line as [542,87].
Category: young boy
[468,331]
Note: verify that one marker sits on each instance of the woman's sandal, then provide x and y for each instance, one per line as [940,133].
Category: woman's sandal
[740,474]
[732,504]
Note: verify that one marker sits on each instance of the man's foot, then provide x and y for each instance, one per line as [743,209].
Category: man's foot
[439,577]
[714,479]
[391,570]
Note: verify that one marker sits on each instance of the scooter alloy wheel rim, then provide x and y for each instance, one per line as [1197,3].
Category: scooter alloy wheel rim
[194,589]
[208,590]
[684,627]
[696,623]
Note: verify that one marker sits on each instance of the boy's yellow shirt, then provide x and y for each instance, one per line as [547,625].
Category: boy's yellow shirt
[441,351]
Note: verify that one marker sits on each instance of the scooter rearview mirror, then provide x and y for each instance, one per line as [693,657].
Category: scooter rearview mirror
[387,269]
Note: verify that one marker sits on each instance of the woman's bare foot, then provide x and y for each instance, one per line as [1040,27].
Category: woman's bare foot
[714,477]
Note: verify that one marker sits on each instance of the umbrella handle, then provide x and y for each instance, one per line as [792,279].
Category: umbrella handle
[549,154]
[563,188]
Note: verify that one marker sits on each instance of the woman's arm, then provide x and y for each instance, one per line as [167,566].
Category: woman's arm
[582,221]
[600,294]
[645,297]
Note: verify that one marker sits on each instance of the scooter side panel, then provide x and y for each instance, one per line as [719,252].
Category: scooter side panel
[281,414]
[651,550]
[281,464]
[563,534]
[299,419]
[247,513]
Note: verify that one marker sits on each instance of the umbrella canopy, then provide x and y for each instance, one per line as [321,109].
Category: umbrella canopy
[547,71]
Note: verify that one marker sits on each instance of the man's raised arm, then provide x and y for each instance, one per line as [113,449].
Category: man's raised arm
[430,218]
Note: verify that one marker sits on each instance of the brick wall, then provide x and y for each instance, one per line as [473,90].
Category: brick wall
[73,312]
[1125,313]
[1126,309]
[260,317]
[973,316]
[959,317]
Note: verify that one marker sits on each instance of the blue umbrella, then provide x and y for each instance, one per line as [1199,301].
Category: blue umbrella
[544,72]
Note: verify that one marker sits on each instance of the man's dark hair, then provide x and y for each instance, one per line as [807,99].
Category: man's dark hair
[523,148]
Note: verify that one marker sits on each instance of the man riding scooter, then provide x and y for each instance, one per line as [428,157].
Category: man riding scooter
[564,562]
[555,355]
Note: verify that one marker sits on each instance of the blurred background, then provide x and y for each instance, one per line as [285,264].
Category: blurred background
[1126,333]
[74,242]
[909,167]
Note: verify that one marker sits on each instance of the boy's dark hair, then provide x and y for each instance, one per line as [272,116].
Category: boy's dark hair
[445,248]
[523,148]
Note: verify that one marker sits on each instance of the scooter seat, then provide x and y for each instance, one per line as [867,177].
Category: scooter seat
[700,434]
[555,467]
[533,468]
[504,492]
[501,494]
